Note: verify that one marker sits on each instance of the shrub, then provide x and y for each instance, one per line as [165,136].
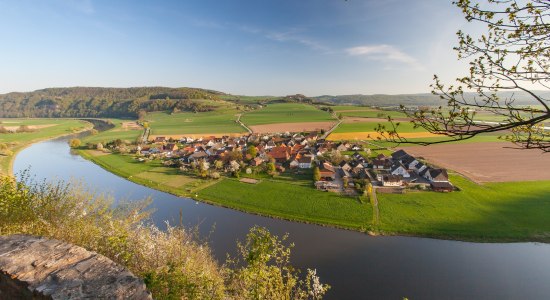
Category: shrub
[173,264]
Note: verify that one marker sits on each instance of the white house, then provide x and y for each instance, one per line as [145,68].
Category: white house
[399,169]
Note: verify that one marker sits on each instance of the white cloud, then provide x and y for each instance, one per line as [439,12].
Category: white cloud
[384,53]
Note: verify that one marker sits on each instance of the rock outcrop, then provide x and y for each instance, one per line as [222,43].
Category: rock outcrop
[39,268]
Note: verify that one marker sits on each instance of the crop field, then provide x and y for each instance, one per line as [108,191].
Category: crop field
[493,211]
[287,200]
[285,113]
[214,122]
[488,162]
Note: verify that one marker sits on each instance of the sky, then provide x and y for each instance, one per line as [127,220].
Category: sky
[245,47]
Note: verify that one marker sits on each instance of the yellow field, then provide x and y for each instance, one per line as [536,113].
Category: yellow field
[374,135]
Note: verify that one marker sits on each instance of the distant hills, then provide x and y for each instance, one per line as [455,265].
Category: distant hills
[131,102]
[380,100]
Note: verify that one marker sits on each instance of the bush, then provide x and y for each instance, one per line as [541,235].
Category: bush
[75,143]
[173,264]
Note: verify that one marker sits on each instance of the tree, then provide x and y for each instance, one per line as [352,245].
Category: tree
[252,150]
[513,55]
[263,270]
[75,143]
[316,174]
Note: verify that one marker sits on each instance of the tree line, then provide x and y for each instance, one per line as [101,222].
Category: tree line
[104,102]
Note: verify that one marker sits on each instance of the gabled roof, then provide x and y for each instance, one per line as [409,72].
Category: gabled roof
[407,159]
[305,159]
[398,154]
[439,175]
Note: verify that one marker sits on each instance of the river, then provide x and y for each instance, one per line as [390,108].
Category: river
[356,265]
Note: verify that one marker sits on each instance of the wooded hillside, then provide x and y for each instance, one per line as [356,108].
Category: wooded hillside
[103,102]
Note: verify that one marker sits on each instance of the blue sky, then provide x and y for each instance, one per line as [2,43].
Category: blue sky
[251,47]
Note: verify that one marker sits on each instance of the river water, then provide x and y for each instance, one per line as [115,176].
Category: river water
[356,265]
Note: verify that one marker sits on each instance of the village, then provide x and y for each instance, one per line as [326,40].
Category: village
[342,167]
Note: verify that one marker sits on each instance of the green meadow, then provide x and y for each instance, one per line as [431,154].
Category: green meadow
[117,132]
[512,211]
[285,113]
[218,121]
[290,201]
[14,142]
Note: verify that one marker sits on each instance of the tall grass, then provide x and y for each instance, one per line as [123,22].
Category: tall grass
[173,263]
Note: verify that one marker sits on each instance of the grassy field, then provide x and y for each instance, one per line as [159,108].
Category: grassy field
[218,121]
[17,141]
[284,113]
[152,174]
[498,211]
[289,201]
[118,132]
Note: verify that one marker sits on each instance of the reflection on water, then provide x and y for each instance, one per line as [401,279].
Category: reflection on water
[357,266]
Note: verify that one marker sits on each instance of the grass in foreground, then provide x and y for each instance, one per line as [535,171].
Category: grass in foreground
[285,113]
[512,211]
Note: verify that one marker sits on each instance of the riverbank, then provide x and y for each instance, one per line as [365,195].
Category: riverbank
[20,141]
[287,197]
[495,212]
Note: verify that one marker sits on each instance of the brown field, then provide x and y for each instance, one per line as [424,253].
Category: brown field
[291,127]
[488,162]
[131,125]
[31,127]
[370,135]
[194,135]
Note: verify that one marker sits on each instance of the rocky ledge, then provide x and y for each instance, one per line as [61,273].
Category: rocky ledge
[39,268]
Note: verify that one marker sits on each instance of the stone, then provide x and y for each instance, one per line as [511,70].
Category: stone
[34,267]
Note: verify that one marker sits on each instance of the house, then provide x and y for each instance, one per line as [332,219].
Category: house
[392,180]
[345,166]
[294,164]
[327,174]
[160,139]
[438,175]
[409,162]
[343,173]
[419,167]
[256,161]
[281,154]
[327,171]
[399,169]
[381,164]
[170,147]
[270,145]
[397,155]
[443,186]
[305,162]
[196,156]
[342,147]
[325,186]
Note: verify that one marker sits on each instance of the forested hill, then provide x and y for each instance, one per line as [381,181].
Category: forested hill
[104,102]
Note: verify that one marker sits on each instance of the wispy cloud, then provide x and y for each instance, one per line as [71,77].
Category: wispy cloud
[292,36]
[384,53]
[289,36]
